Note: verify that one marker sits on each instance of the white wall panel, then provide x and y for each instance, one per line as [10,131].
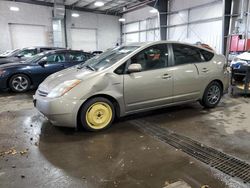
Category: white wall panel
[177,33]
[28,14]
[132,27]
[107,27]
[27,35]
[183,4]
[84,39]
[178,18]
[203,32]
[132,37]
[212,11]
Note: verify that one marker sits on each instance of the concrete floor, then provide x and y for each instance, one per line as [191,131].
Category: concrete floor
[42,155]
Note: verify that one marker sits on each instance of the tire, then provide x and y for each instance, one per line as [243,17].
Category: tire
[19,83]
[238,78]
[212,95]
[97,114]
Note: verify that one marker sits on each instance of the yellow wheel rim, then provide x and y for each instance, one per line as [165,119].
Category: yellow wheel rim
[99,115]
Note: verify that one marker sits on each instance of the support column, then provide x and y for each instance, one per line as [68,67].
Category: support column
[162,6]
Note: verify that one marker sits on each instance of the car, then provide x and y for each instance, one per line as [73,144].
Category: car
[20,77]
[20,55]
[237,65]
[130,79]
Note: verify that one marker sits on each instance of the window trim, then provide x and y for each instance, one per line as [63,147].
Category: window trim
[128,62]
[173,59]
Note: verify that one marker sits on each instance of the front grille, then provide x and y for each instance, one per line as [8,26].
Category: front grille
[42,93]
[210,156]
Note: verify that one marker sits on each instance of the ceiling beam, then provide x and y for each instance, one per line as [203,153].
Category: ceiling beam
[118,7]
[69,7]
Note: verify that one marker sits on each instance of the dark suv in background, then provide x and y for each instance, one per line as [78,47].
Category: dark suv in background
[23,54]
[20,77]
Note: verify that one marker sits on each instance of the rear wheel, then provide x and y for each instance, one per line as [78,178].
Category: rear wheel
[212,95]
[97,114]
[19,83]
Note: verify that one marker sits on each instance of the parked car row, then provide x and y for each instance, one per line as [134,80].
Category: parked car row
[21,76]
[130,79]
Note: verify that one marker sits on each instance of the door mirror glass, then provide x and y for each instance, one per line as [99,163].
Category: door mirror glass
[42,63]
[134,68]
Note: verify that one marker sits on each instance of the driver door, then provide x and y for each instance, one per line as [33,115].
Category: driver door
[55,63]
[153,86]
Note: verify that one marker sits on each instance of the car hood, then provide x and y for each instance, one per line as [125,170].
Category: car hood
[10,60]
[67,74]
[244,56]
[12,65]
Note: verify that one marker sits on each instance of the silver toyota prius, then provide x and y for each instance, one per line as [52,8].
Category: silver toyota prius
[130,79]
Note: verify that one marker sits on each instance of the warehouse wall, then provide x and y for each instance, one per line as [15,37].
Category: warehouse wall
[28,14]
[107,27]
[200,24]
[141,26]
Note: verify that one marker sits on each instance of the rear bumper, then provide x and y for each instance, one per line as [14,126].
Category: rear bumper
[59,111]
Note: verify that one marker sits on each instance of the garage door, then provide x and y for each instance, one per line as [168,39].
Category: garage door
[83,39]
[28,35]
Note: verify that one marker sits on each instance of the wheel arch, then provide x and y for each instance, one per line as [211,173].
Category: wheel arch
[106,96]
[218,81]
[8,80]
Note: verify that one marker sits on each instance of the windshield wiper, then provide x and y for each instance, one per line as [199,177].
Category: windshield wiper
[90,67]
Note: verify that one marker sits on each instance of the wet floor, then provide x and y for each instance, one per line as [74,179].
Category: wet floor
[36,154]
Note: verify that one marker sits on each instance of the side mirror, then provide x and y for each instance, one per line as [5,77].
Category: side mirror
[42,63]
[19,55]
[134,68]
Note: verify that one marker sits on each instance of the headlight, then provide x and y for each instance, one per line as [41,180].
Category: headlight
[2,72]
[63,88]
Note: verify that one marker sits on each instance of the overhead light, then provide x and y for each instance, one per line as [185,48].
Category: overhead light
[153,11]
[14,9]
[122,19]
[75,15]
[99,3]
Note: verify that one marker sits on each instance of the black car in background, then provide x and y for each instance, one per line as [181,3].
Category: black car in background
[20,77]
[19,55]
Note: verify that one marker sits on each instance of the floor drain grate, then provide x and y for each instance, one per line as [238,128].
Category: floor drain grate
[214,158]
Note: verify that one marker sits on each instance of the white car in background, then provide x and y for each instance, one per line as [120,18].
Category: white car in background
[238,63]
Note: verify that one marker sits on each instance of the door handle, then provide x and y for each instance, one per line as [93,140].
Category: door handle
[166,76]
[205,70]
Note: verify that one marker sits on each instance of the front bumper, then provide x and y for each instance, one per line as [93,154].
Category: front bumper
[3,83]
[59,111]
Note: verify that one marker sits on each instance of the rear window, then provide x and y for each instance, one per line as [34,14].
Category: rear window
[207,55]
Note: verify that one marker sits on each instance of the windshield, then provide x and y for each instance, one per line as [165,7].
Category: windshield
[9,53]
[35,58]
[108,58]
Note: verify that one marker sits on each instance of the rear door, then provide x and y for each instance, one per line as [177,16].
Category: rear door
[187,82]
[153,86]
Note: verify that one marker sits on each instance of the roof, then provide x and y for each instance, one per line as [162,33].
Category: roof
[113,7]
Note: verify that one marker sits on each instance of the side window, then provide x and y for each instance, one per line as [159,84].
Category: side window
[207,55]
[120,70]
[184,54]
[154,57]
[28,52]
[55,58]
[77,56]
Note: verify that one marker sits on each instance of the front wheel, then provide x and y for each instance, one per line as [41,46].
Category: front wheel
[19,83]
[212,95]
[97,114]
